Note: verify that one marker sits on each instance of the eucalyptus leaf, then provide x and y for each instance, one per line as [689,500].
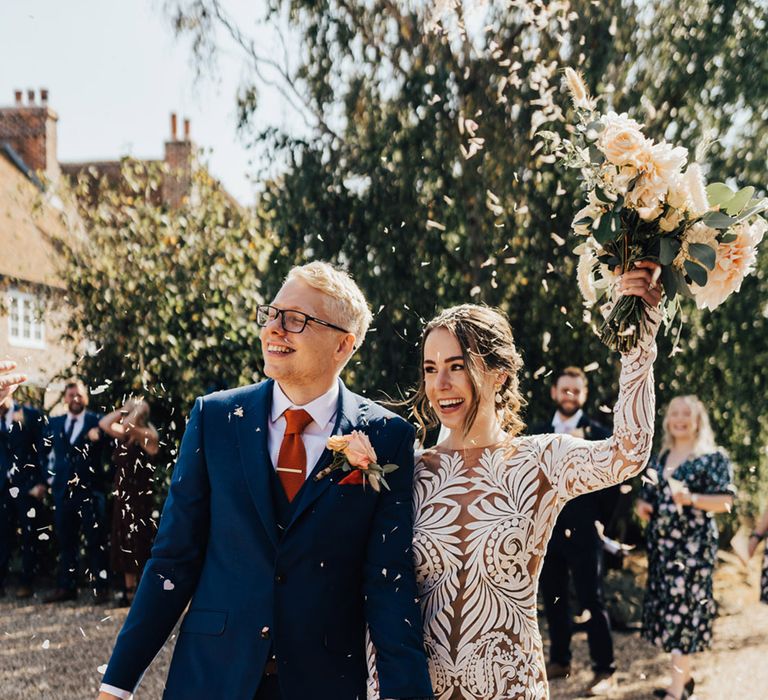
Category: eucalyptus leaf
[668,250]
[669,281]
[739,201]
[718,220]
[696,272]
[602,196]
[596,155]
[582,222]
[603,233]
[719,194]
[758,208]
[705,254]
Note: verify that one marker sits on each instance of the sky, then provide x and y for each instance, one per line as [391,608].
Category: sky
[115,72]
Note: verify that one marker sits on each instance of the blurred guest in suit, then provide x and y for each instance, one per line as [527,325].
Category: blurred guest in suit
[575,551]
[78,487]
[22,488]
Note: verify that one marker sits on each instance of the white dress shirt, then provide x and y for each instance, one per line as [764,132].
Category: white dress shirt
[315,435]
[323,411]
[79,422]
[567,425]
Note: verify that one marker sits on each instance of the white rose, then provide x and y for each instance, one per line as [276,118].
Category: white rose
[622,140]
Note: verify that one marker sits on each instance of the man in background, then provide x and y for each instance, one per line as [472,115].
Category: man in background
[79,497]
[575,550]
[22,488]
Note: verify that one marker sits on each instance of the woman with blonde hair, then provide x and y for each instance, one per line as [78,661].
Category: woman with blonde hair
[686,485]
[486,498]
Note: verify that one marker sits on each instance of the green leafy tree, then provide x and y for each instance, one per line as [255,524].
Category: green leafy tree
[162,300]
[421,172]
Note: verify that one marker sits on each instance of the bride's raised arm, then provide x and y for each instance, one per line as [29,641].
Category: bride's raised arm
[574,466]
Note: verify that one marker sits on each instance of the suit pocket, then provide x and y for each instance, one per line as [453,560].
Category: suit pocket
[210,622]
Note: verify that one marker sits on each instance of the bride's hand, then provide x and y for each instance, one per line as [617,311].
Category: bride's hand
[642,281]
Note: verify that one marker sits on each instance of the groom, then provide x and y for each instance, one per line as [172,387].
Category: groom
[282,572]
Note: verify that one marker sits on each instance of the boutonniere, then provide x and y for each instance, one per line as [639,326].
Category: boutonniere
[355,455]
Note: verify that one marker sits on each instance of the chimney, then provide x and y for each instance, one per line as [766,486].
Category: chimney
[177,185]
[30,130]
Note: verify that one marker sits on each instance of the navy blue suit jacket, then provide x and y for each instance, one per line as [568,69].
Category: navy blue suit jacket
[83,458]
[22,451]
[343,561]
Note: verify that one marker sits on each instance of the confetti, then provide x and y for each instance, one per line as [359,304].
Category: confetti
[168,585]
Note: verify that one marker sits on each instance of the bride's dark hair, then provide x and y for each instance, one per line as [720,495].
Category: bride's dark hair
[487,345]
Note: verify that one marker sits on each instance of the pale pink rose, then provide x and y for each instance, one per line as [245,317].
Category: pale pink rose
[359,452]
[622,140]
[679,194]
[734,262]
[666,161]
[338,443]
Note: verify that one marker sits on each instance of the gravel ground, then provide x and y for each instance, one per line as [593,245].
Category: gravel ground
[55,652]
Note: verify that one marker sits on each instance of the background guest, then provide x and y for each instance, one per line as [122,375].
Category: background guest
[757,536]
[686,485]
[78,494]
[575,551]
[22,488]
[136,442]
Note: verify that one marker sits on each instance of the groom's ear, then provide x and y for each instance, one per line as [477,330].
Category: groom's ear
[346,346]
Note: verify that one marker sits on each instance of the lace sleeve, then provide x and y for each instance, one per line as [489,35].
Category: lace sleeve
[574,466]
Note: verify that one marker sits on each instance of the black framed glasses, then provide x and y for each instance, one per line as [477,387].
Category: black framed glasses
[292,321]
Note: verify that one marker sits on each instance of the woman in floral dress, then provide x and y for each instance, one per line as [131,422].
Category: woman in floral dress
[486,498]
[683,489]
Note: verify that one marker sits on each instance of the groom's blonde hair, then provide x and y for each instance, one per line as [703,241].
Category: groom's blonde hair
[347,303]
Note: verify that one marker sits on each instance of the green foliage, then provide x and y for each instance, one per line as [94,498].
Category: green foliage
[162,300]
[394,185]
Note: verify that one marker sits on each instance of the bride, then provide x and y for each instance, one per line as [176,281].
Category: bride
[486,499]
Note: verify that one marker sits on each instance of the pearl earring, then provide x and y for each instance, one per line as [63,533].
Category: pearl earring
[498,395]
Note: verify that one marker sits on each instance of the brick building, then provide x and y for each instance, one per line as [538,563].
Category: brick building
[34,226]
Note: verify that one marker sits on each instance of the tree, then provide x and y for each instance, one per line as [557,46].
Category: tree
[162,301]
[393,182]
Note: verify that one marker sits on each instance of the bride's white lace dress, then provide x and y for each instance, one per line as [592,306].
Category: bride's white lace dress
[483,518]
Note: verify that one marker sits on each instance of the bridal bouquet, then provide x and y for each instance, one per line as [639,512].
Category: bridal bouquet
[646,202]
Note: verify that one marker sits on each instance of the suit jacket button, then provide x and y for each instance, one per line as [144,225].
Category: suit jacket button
[280,578]
[265,632]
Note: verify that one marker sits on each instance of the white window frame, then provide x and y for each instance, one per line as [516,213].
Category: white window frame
[16,302]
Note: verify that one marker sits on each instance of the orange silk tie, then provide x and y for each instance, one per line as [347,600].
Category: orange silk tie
[292,459]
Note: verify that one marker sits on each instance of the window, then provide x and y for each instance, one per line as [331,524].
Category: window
[26,322]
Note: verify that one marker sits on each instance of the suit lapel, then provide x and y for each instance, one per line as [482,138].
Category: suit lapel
[346,420]
[252,430]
